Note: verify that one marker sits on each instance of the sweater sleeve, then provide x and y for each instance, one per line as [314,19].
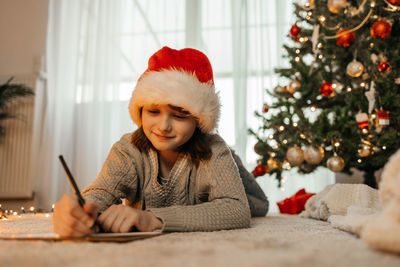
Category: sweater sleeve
[227,206]
[258,202]
[117,178]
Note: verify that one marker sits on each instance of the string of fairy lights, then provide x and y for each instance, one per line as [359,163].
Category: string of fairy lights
[6,214]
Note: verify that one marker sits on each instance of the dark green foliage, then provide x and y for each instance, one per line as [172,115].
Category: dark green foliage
[335,119]
[9,92]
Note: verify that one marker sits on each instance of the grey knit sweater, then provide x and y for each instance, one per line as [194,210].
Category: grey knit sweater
[207,198]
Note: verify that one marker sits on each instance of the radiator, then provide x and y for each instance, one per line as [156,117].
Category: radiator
[16,144]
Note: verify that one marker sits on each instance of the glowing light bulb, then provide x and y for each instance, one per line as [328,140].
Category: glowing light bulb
[313,108]
[320,56]
[271,136]
[364,131]
[297,51]
[295,124]
[384,147]
[363,84]
[284,142]
[302,136]
[297,59]
[337,144]
[319,45]
[281,128]
[359,160]
[32,208]
[321,18]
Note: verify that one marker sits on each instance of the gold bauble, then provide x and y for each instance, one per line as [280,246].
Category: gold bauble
[335,6]
[355,68]
[295,156]
[272,164]
[314,154]
[335,163]
[365,151]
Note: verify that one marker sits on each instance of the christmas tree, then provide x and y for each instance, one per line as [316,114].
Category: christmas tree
[340,107]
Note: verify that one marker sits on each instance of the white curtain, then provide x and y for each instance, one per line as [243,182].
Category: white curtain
[97,49]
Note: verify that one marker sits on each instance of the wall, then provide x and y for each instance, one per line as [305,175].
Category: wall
[23,26]
[23,35]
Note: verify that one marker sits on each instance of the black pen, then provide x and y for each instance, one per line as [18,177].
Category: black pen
[74,186]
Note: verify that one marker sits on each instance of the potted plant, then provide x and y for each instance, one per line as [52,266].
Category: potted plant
[8,92]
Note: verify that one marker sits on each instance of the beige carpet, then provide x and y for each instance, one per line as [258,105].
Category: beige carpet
[277,240]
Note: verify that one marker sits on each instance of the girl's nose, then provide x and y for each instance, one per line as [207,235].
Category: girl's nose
[165,124]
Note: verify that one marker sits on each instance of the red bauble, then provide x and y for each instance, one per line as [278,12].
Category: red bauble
[265,108]
[394,2]
[326,89]
[381,29]
[260,170]
[384,67]
[346,39]
[295,30]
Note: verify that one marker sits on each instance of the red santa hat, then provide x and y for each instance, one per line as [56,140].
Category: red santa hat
[182,78]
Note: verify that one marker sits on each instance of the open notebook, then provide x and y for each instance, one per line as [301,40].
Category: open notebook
[101,237]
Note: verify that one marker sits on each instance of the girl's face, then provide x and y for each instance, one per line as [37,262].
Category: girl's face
[167,127]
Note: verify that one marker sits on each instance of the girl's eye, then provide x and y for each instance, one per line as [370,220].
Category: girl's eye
[153,111]
[180,116]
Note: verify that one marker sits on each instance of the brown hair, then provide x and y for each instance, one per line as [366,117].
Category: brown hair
[197,147]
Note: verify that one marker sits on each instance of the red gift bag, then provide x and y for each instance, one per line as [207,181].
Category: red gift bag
[295,203]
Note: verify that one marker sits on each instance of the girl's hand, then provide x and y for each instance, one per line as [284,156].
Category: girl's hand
[72,220]
[121,219]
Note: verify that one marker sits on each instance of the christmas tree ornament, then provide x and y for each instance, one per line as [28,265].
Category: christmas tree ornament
[265,108]
[295,156]
[326,89]
[272,164]
[293,86]
[362,120]
[335,6]
[371,97]
[261,148]
[260,170]
[310,4]
[279,90]
[394,2]
[295,31]
[286,165]
[313,154]
[381,29]
[355,68]
[382,118]
[345,37]
[338,87]
[384,67]
[365,150]
[335,163]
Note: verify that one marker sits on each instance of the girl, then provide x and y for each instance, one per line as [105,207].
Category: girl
[175,174]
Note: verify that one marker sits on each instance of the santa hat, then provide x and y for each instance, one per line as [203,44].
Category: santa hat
[182,78]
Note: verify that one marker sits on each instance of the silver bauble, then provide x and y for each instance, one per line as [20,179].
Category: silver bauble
[295,156]
[335,163]
[314,154]
[355,68]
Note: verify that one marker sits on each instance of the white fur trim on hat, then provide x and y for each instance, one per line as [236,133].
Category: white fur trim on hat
[177,88]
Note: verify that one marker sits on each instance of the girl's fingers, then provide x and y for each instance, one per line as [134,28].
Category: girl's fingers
[91,209]
[128,224]
[64,230]
[116,227]
[76,225]
[107,218]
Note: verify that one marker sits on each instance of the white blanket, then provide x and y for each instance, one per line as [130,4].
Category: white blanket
[371,214]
